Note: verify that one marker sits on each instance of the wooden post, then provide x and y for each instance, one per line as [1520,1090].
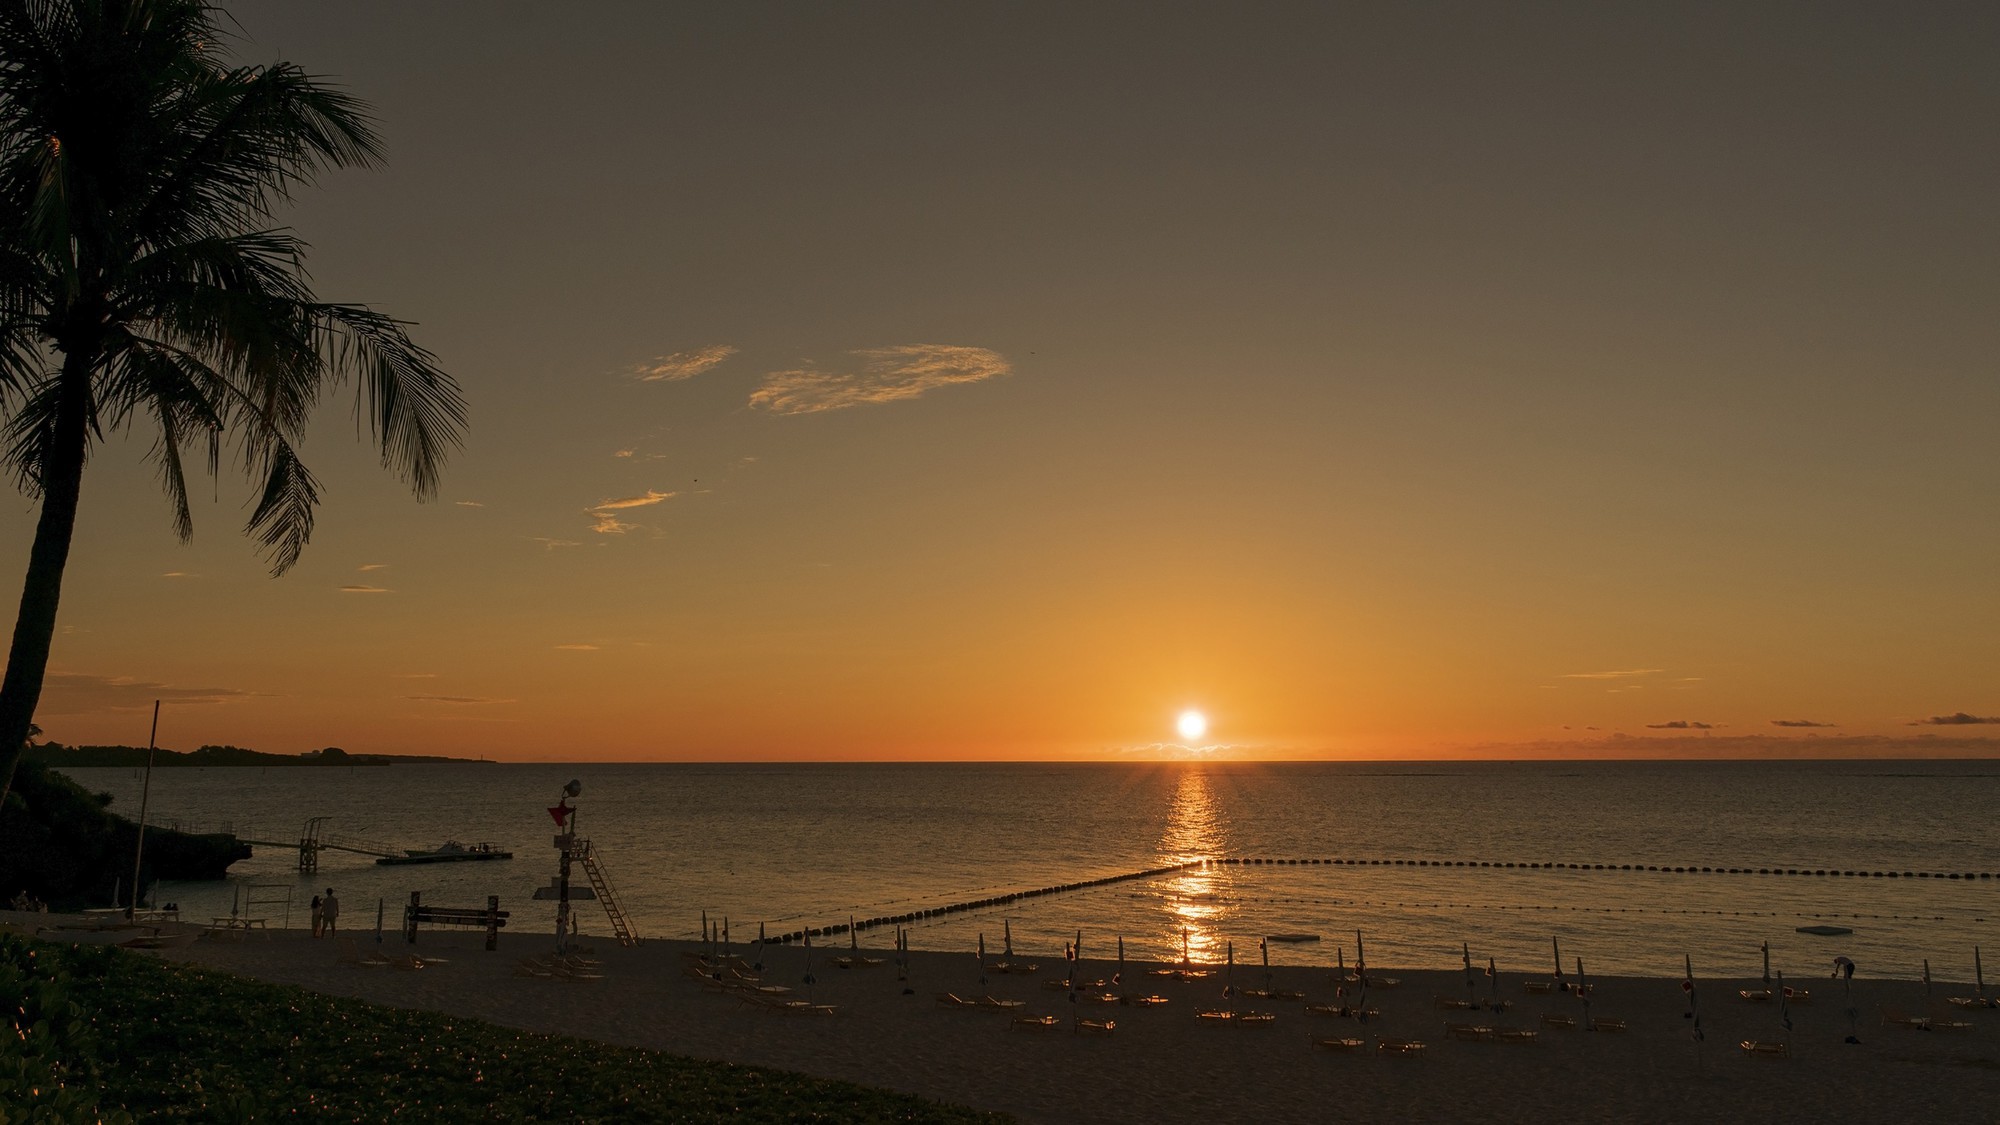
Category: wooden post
[492,922]
[410,917]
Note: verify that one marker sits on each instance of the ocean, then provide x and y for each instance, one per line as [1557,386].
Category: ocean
[809,845]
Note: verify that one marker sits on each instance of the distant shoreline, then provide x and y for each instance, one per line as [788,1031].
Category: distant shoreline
[57,756]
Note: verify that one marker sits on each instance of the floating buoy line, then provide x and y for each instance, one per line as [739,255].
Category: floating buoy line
[987,902]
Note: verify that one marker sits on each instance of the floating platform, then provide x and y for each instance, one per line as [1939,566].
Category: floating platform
[1824,931]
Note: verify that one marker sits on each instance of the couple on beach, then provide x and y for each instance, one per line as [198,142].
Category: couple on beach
[325,913]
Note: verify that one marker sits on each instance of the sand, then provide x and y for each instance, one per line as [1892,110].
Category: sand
[1163,1064]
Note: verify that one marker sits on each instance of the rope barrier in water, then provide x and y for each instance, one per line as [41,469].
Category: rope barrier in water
[990,901]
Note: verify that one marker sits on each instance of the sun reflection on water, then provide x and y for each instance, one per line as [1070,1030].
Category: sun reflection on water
[1195,901]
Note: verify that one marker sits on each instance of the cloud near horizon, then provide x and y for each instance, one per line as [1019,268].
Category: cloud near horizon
[76,693]
[886,375]
[1625,675]
[1956,719]
[682,365]
[1800,723]
[1680,724]
[576,648]
[461,700]
[365,590]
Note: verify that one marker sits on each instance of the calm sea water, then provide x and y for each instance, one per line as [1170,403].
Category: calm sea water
[807,845]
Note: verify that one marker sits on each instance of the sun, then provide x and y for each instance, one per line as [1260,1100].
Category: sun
[1192,725]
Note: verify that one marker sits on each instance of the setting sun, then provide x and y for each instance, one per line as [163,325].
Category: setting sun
[1192,724]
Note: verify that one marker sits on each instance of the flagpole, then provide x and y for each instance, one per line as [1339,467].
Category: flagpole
[145,796]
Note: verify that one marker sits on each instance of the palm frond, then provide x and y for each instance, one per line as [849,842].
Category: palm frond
[414,408]
[283,521]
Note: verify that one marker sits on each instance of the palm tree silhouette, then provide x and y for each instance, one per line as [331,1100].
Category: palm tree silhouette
[142,279]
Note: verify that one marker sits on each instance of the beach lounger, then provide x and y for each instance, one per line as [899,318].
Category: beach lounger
[1215,1015]
[1452,1003]
[1762,1049]
[1950,1025]
[1538,987]
[1256,1019]
[1517,1035]
[954,1000]
[1036,1023]
[998,1004]
[786,1007]
[1407,1048]
[350,954]
[1101,998]
[1061,984]
[1348,1045]
[1974,1002]
[1271,994]
[1343,1011]
[1139,999]
[1096,1027]
[1756,995]
[1469,1032]
[1560,1023]
[1606,1023]
[1892,1017]
[856,962]
[1021,968]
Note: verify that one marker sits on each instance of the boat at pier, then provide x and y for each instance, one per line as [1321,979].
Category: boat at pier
[451,851]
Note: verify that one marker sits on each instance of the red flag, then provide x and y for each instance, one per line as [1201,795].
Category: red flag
[561,813]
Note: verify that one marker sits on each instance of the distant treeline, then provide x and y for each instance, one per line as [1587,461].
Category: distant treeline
[58,755]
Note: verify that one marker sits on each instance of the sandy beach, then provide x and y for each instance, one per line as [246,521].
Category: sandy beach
[1163,1063]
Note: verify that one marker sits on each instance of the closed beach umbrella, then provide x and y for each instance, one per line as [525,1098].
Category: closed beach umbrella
[759,966]
[810,980]
[1229,975]
[1555,943]
[1264,947]
[1119,976]
[1979,974]
[1493,984]
[1583,990]
[1767,966]
[1784,1003]
[853,935]
[725,935]
[982,957]
[704,929]
[1694,1012]
[1360,959]
[1006,938]
[1927,980]
[1465,949]
[1185,963]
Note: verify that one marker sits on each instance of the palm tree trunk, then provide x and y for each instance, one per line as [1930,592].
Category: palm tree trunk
[35,628]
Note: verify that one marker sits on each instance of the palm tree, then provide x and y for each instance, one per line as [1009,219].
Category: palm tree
[142,279]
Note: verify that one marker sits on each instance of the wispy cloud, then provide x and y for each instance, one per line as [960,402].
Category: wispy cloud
[681,365]
[554,544]
[1956,719]
[884,375]
[74,693]
[624,454]
[1624,675]
[459,700]
[180,574]
[1800,723]
[468,503]
[603,514]
[365,590]
[1680,724]
[576,648]
[645,499]
[372,566]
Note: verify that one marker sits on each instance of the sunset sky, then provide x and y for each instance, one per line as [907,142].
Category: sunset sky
[997,381]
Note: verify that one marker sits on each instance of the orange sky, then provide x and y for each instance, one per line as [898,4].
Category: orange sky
[999,381]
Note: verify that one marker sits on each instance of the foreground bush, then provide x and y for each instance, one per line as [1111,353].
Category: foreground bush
[175,1043]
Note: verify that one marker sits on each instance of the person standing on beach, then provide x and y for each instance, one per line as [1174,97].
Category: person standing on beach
[319,916]
[330,912]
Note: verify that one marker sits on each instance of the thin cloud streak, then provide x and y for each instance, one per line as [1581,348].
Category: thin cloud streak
[1956,719]
[682,365]
[885,375]
[366,590]
[458,700]
[1625,675]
